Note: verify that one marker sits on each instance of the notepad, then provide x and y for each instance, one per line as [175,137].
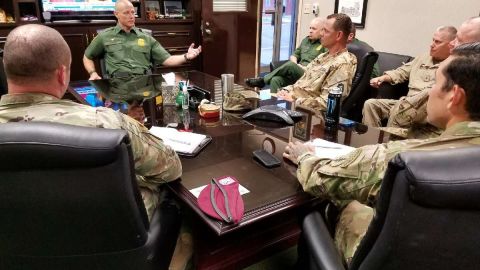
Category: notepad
[331,150]
[181,142]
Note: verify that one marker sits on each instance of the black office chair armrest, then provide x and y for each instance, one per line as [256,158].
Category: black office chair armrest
[320,243]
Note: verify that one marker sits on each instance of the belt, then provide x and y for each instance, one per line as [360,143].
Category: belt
[123,74]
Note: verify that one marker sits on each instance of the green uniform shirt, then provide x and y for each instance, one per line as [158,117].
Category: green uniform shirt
[131,52]
[308,50]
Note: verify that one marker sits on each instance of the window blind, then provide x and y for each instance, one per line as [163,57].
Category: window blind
[229,5]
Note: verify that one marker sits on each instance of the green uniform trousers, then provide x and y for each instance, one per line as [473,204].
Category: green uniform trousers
[286,74]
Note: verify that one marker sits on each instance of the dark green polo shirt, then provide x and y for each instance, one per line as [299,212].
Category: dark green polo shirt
[308,50]
[132,52]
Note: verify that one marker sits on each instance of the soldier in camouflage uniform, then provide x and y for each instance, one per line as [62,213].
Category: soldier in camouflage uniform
[421,76]
[337,66]
[353,181]
[292,70]
[35,88]
[468,32]
[127,49]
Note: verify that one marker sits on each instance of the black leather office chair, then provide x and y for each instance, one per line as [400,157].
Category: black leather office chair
[101,60]
[427,217]
[389,61]
[353,104]
[3,77]
[70,201]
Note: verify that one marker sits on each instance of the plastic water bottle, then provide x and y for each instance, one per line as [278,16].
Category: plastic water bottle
[186,98]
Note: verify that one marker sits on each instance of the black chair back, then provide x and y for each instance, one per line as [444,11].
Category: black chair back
[353,103]
[428,213]
[360,92]
[70,201]
[389,61]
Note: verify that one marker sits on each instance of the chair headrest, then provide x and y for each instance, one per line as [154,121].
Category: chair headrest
[85,145]
[448,178]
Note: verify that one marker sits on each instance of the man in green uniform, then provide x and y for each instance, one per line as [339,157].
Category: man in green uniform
[35,89]
[420,73]
[329,69]
[353,181]
[292,70]
[128,50]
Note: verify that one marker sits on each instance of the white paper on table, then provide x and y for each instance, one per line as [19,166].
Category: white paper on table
[184,142]
[331,150]
[196,191]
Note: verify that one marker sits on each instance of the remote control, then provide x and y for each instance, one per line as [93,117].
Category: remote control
[267,159]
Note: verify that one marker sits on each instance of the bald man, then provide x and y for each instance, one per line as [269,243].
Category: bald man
[35,89]
[468,32]
[420,73]
[128,50]
[292,70]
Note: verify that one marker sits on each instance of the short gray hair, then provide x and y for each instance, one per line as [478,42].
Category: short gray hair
[450,30]
[33,52]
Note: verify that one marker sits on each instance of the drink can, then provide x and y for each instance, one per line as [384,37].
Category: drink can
[334,103]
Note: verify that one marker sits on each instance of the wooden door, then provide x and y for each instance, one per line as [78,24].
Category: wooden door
[230,40]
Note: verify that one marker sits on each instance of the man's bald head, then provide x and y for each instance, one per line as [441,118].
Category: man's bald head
[468,32]
[122,4]
[33,53]
[315,30]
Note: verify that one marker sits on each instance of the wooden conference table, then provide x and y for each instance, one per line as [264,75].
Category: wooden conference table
[275,201]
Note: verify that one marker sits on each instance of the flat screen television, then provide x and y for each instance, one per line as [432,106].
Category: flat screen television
[84,10]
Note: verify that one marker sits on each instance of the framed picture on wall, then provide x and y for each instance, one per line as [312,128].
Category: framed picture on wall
[173,8]
[301,129]
[356,9]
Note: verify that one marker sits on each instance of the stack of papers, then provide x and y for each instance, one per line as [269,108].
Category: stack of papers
[182,142]
[331,150]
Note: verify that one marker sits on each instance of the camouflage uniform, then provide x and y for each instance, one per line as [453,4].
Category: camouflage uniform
[323,73]
[155,163]
[410,109]
[355,178]
[126,52]
[290,72]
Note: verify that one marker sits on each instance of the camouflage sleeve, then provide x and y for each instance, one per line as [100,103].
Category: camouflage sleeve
[402,73]
[95,49]
[154,161]
[355,176]
[341,74]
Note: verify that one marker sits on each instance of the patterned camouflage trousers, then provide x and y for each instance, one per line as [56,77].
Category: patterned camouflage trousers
[351,228]
[400,113]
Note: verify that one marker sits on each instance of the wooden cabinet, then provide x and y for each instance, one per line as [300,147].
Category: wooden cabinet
[175,34]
